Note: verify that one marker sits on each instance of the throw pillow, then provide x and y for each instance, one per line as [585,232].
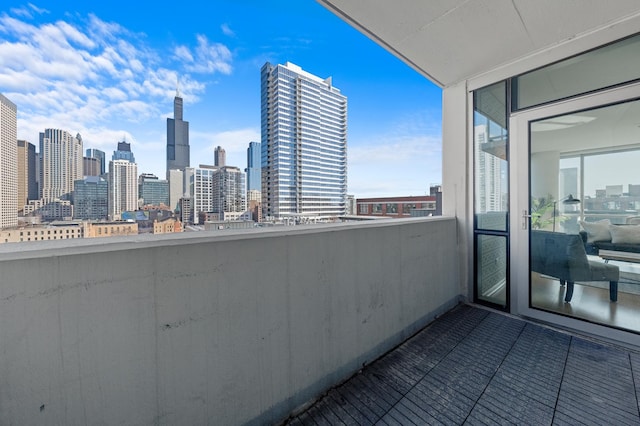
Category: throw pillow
[597,231]
[625,234]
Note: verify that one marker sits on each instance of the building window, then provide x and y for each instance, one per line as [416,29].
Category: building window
[407,207]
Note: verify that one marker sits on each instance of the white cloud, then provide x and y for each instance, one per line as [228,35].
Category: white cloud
[37,9]
[206,57]
[95,77]
[226,30]
[407,158]
[183,52]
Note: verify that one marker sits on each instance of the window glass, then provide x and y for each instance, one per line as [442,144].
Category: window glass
[597,69]
[585,194]
[490,157]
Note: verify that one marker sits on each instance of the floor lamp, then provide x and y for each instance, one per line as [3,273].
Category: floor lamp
[566,200]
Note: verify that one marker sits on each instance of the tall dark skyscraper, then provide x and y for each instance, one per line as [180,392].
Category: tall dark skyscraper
[177,138]
[219,157]
[124,152]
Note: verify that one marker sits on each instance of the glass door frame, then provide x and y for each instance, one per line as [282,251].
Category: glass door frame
[519,215]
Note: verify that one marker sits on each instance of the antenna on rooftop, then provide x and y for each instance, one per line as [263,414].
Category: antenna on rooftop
[177,87]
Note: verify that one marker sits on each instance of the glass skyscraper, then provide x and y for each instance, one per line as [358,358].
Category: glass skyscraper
[152,190]
[90,198]
[100,155]
[253,167]
[304,144]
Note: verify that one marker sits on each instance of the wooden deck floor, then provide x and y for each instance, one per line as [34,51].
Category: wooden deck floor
[477,367]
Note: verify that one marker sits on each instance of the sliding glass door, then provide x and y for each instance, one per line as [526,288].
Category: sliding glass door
[576,231]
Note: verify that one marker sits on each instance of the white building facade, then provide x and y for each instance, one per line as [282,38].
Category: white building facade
[201,191]
[123,187]
[229,193]
[304,144]
[60,164]
[8,163]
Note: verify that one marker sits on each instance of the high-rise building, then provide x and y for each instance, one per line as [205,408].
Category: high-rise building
[90,166]
[177,138]
[488,175]
[8,163]
[253,167]
[152,190]
[220,157]
[201,183]
[27,184]
[123,152]
[60,164]
[229,192]
[123,187]
[100,156]
[176,188]
[90,198]
[304,144]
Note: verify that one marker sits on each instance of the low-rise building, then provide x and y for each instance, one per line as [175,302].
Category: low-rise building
[63,231]
[396,207]
[109,229]
[167,226]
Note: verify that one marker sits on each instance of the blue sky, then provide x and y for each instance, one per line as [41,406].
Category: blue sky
[108,71]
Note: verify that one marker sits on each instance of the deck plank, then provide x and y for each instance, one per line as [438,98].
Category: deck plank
[476,367]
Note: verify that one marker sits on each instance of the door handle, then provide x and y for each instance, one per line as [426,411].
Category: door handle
[525,219]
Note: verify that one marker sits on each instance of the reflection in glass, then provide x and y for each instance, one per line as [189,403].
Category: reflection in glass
[585,199]
[490,157]
[491,151]
[597,69]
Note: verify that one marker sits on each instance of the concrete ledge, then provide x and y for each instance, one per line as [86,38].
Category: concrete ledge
[231,328]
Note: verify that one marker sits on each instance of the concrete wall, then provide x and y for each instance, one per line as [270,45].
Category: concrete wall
[457,176]
[209,328]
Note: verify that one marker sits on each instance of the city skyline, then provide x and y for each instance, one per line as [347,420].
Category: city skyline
[112,76]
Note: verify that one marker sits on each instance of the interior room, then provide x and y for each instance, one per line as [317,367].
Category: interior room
[585,182]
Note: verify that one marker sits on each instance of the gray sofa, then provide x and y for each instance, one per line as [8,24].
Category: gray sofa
[563,256]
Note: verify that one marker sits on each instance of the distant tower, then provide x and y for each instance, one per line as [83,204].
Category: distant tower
[124,152]
[123,187]
[177,138]
[202,192]
[253,167]
[27,183]
[152,190]
[60,164]
[229,192]
[8,163]
[220,157]
[100,156]
[91,198]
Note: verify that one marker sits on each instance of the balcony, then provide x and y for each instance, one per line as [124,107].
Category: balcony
[473,366]
[232,328]
[249,328]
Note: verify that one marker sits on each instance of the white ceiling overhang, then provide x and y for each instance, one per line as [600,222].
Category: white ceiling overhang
[449,41]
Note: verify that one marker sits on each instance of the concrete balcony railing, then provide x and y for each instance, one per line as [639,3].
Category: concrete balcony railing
[211,328]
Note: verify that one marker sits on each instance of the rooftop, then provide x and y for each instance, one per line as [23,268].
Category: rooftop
[474,366]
